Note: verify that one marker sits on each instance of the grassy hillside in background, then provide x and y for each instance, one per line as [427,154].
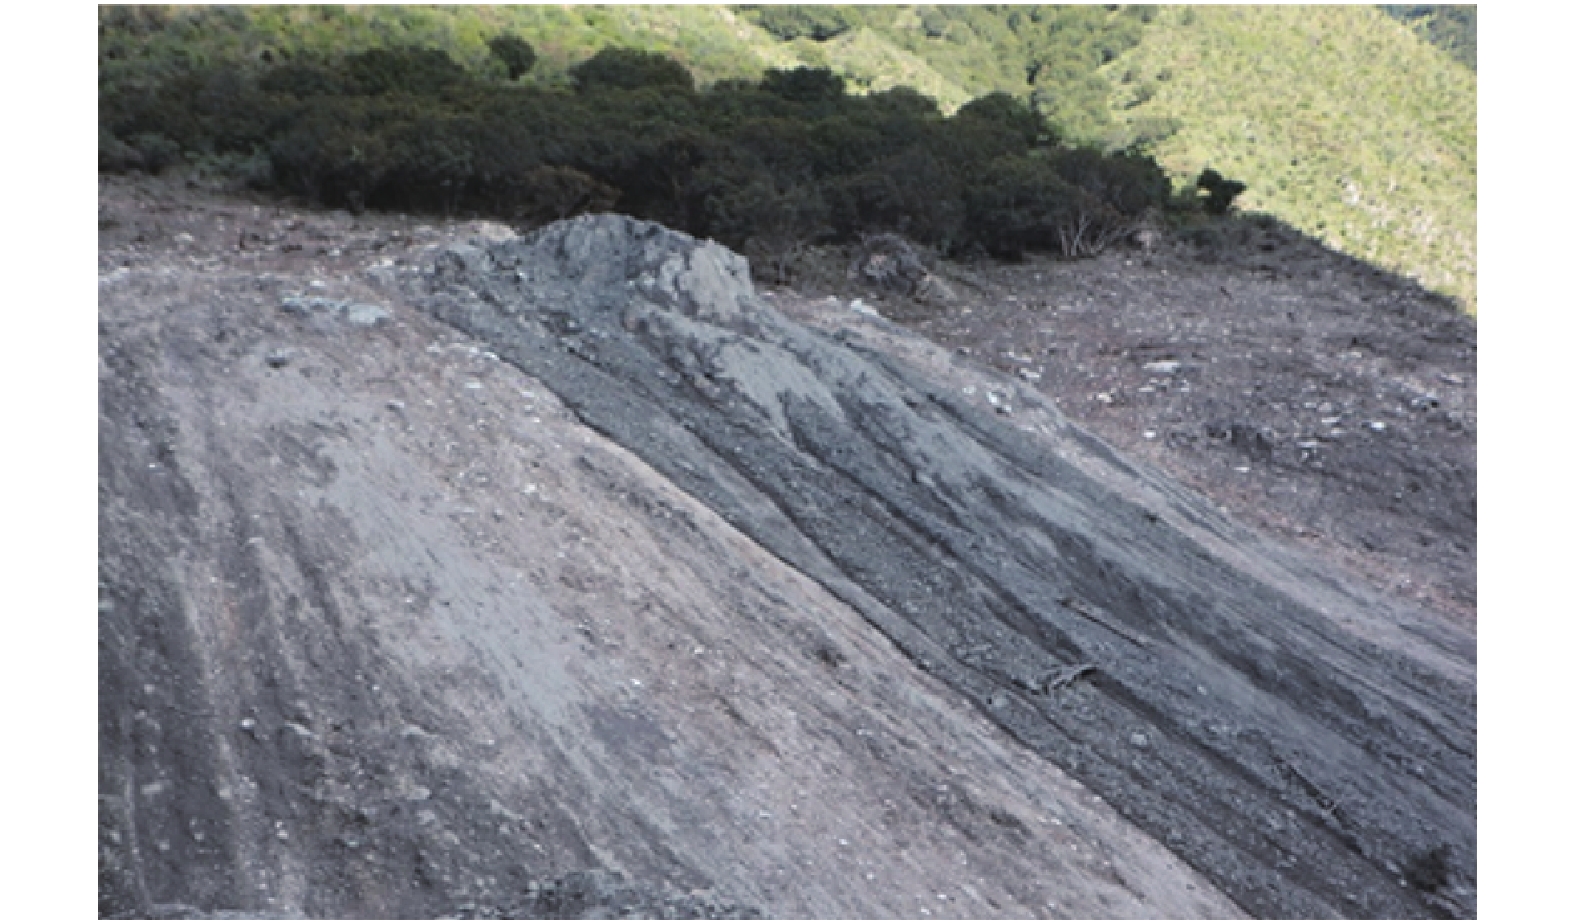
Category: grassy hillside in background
[1049,55]
[712,41]
[1340,120]
[952,54]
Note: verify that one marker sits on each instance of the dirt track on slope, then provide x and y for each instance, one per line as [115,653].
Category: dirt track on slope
[399,620]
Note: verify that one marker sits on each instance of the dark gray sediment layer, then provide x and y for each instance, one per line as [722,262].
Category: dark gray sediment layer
[1232,714]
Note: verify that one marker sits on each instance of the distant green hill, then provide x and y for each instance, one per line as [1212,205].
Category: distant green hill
[1049,54]
[1343,121]
[1340,120]
[952,54]
[712,41]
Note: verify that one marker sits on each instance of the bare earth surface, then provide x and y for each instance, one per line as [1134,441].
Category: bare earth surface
[1319,399]
[665,600]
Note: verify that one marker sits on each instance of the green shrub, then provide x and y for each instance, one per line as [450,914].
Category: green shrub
[805,84]
[1013,204]
[1009,115]
[1221,191]
[115,155]
[546,194]
[154,153]
[331,153]
[305,80]
[777,217]
[630,69]
[235,170]
[232,113]
[913,193]
[788,22]
[1021,203]
[1129,183]
[516,54]
[412,70]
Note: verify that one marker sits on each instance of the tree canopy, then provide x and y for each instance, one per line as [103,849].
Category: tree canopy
[788,159]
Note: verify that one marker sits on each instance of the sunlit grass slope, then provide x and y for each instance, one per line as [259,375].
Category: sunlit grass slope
[1340,120]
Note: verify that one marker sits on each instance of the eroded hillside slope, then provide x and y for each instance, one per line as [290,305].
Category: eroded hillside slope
[627,594]
[385,631]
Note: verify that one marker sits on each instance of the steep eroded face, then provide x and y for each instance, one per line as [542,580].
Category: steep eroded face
[1222,709]
[641,597]
[387,631]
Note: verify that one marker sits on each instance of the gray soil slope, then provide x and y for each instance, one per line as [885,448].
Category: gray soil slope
[565,575]
[1322,400]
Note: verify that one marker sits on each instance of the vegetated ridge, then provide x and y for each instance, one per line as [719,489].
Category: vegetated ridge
[1340,121]
[768,166]
[1333,164]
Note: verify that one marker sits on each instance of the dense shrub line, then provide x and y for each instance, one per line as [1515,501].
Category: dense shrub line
[790,159]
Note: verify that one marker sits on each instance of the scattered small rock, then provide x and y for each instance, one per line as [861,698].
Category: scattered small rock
[365,315]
